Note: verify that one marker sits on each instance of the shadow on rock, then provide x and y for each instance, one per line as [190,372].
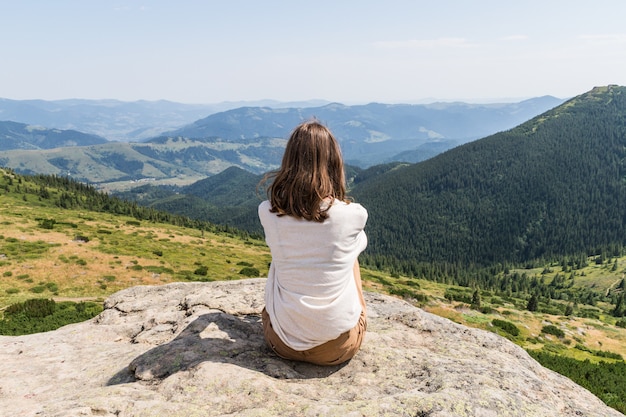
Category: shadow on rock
[222,338]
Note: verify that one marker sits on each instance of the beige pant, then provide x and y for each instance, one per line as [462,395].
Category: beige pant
[333,352]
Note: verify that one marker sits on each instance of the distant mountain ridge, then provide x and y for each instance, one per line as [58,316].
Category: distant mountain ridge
[118,120]
[15,135]
[375,133]
[253,138]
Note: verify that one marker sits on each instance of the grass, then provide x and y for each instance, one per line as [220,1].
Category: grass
[121,252]
[35,261]
[594,334]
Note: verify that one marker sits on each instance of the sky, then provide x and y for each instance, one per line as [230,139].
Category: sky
[348,51]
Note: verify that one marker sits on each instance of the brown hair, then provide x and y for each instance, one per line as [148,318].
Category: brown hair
[311,170]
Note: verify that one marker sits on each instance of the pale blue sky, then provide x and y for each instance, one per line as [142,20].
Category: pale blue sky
[350,51]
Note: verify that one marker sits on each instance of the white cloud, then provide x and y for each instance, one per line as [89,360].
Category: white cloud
[425,43]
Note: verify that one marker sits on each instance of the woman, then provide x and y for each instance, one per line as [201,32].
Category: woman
[314,305]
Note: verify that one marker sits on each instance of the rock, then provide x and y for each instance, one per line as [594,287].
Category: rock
[197,349]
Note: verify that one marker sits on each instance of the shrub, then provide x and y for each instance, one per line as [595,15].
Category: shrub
[553,330]
[38,289]
[12,291]
[202,271]
[507,326]
[7,274]
[496,301]
[599,353]
[133,223]
[159,269]
[47,223]
[250,272]
[621,323]
[32,308]
[158,252]
[40,315]
[452,294]
[81,238]
[243,263]
[408,293]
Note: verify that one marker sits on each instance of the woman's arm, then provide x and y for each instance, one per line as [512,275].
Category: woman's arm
[359,284]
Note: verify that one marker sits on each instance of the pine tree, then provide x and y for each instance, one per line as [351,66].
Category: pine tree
[619,309]
[533,303]
[476,299]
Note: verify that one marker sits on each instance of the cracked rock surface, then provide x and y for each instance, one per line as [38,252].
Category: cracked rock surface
[197,349]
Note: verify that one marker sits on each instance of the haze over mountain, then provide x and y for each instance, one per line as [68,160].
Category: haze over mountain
[119,120]
[253,138]
[375,133]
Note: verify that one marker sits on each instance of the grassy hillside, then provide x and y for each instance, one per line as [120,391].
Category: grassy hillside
[76,253]
[79,254]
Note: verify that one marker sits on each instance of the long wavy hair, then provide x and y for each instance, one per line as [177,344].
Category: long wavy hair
[311,173]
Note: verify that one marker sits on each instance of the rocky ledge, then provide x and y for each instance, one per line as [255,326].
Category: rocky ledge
[197,349]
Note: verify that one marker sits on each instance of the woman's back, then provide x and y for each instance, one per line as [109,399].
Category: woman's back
[311,291]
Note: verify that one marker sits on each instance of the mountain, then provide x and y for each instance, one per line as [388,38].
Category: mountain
[253,138]
[552,187]
[115,120]
[21,136]
[374,133]
[229,198]
[116,165]
[119,120]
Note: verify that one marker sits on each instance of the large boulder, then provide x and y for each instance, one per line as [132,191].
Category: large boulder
[197,349]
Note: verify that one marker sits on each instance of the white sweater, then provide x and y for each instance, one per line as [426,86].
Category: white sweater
[310,295]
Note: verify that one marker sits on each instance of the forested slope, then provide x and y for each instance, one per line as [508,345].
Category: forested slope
[554,186]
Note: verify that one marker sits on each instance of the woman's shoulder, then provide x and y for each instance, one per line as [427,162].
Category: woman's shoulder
[264,208]
[349,209]
[348,205]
